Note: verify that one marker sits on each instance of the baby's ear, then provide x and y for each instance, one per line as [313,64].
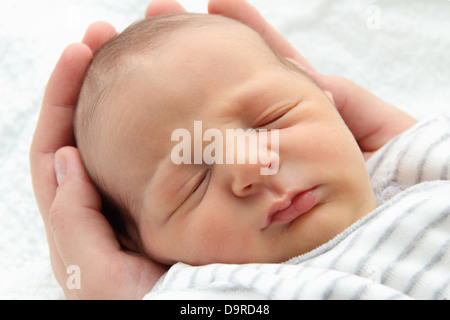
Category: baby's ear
[329,95]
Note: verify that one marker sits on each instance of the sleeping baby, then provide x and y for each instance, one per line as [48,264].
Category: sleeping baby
[173,72]
[220,158]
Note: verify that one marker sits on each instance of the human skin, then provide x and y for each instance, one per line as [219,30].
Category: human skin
[226,87]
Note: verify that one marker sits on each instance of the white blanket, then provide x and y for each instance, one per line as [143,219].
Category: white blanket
[397,49]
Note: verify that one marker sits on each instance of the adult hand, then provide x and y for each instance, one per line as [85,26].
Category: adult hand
[372,121]
[77,232]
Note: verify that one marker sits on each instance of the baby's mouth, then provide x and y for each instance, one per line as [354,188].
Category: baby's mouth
[293,207]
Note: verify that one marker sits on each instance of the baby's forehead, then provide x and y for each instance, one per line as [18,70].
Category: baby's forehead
[217,32]
[212,31]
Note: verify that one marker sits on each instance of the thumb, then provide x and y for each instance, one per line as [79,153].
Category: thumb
[75,216]
[82,236]
[74,185]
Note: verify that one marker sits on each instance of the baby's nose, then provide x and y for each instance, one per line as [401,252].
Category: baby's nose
[250,178]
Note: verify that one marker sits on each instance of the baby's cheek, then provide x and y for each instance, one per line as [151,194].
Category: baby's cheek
[208,237]
[215,239]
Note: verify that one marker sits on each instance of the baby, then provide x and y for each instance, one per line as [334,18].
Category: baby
[171,73]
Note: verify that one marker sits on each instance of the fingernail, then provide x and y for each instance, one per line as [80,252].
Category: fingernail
[60,169]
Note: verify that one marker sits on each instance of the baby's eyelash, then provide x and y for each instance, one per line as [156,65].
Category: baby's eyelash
[273,117]
[201,180]
[191,187]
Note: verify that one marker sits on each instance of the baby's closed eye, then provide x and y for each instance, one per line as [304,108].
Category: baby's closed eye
[272,120]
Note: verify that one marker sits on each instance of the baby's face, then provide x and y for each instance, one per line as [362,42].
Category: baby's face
[225,77]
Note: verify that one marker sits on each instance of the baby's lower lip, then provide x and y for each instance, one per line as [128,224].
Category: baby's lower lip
[301,204]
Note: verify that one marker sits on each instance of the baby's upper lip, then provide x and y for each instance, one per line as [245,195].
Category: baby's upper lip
[282,204]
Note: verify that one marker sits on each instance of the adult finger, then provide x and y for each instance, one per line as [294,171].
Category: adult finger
[244,12]
[159,7]
[97,34]
[54,127]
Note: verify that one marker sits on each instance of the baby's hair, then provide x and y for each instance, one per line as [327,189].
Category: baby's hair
[106,73]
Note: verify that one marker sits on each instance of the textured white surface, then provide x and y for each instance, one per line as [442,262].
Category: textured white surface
[397,49]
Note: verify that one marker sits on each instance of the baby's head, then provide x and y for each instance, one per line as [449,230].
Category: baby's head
[171,80]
